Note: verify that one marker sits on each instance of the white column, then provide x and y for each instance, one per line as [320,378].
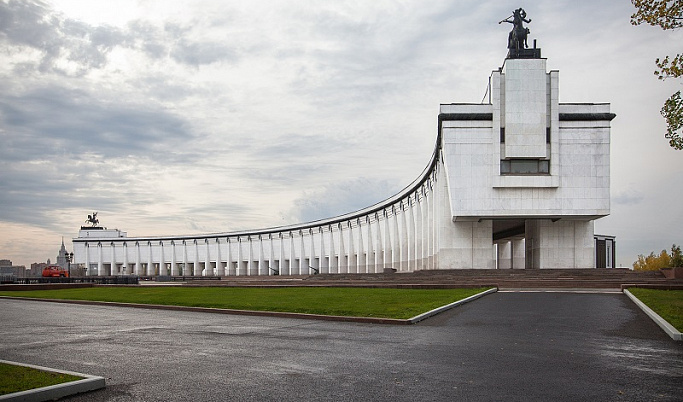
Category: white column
[112,269]
[171,262]
[424,218]
[302,256]
[281,261]
[311,245]
[417,223]
[396,254]
[412,230]
[291,268]
[352,261]
[208,271]
[125,258]
[437,222]
[239,270]
[229,271]
[174,263]
[342,265]
[379,261]
[323,264]
[262,269]
[405,241]
[428,227]
[220,271]
[361,262]
[150,264]
[100,263]
[197,270]
[271,256]
[185,273]
[138,265]
[370,262]
[433,228]
[250,254]
[333,254]
[372,249]
[162,260]
[87,259]
[518,254]
[386,252]
[504,254]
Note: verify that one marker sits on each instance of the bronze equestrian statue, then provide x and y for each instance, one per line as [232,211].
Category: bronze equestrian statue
[518,35]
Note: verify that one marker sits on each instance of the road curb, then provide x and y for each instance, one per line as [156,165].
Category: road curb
[441,309]
[52,392]
[668,328]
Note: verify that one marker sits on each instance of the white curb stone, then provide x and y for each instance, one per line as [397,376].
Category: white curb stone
[438,310]
[52,392]
[668,328]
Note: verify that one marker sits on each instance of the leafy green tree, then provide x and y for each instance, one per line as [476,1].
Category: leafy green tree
[664,260]
[667,14]
[676,256]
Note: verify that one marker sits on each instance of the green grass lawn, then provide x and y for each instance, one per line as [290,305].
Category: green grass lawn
[18,378]
[356,302]
[667,303]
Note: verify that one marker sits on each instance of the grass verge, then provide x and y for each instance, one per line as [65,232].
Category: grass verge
[667,303]
[19,378]
[354,302]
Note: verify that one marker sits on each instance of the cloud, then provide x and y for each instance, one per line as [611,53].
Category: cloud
[628,197]
[51,121]
[341,197]
[199,53]
[37,192]
[65,46]
[70,47]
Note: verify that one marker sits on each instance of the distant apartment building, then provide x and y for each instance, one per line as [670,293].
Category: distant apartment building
[7,269]
[37,268]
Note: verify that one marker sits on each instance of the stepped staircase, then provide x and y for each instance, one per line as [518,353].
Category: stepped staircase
[504,279]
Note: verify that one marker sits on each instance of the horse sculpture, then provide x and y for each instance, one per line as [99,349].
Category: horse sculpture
[92,219]
[517,39]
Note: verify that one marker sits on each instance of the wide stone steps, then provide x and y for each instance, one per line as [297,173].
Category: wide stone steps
[556,278]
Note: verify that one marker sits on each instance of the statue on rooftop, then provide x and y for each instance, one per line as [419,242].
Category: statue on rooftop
[518,35]
[92,219]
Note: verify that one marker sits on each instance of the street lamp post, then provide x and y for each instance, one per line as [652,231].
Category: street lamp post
[69,258]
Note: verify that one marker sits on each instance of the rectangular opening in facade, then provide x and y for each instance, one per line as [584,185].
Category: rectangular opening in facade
[524,166]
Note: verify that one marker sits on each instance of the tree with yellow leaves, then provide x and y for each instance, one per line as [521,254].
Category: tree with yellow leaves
[664,260]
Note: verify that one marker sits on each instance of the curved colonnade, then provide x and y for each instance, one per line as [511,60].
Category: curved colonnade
[513,183]
[400,232]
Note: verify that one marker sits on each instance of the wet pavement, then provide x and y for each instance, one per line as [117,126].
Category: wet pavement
[512,346]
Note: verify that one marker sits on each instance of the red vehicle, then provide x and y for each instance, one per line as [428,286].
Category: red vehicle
[52,271]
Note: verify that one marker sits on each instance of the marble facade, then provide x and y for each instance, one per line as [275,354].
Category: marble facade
[513,183]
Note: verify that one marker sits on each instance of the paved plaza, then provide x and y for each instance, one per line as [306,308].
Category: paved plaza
[512,346]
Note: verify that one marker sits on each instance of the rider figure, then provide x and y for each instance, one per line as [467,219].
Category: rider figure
[518,35]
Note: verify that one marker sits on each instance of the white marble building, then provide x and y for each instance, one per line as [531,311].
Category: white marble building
[513,183]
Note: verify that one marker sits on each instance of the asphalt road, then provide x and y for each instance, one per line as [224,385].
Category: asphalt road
[505,346]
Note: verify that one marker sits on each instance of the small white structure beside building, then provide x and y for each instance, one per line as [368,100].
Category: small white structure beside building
[513,183]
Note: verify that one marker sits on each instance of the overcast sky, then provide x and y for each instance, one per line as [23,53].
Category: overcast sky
[184,117]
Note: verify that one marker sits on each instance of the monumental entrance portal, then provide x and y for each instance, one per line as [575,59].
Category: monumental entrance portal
[516,182]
